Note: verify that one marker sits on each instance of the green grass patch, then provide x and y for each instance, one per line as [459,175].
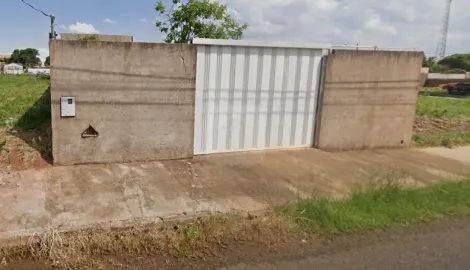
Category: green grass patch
[440,107]
[433,91]
[24,101]
[379,207]
[444,138]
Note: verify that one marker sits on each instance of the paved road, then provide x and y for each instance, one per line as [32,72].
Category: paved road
[437,246]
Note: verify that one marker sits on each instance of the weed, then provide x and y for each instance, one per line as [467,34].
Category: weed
[24,100]
[189,232]
[76,250]
[443,138]
[382,206]
[90,38]
[435,107]
[25,104]
[434,91]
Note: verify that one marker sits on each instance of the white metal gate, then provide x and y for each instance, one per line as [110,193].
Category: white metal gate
[253,95]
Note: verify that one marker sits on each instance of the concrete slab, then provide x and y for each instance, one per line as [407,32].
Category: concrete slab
[114,195]
[458,153]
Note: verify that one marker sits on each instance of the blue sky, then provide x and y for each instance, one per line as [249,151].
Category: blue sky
[402,23]
[31,28]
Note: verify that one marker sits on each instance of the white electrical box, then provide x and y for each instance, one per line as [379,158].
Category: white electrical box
[67,106]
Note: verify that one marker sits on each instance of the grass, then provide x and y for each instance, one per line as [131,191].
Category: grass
[379,207]
[195,238]
[436,103]
[433,91]
[443,138]
[435,107]
[25,106]
[24,101]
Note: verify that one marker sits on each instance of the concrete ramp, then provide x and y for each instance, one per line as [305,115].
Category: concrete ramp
[459,153]
[73,197]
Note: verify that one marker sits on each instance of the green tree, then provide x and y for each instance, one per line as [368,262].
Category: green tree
[28,57]
[47,62]
[429,62]
[182,22]
[457,61]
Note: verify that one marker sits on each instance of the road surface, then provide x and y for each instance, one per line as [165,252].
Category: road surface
[443,245]
[436,245]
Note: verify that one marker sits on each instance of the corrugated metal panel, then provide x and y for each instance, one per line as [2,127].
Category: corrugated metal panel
[251,98]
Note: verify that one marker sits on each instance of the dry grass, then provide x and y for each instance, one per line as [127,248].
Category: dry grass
[197,238]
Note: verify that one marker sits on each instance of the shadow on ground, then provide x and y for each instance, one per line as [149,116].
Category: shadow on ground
[442,93]
[34,126]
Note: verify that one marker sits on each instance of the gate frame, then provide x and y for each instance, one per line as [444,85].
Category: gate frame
[326,50]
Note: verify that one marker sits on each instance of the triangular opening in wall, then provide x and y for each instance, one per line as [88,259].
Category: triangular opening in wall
[90,132]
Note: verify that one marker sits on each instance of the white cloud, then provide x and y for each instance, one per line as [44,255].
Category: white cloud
[110,21]
[82,28]
[375,23]
[43,53]
[144,20]
[403,23]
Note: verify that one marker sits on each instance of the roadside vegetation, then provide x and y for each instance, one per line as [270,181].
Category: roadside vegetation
[441,119]
[452,64]
[429,105]
[380,205]
[383,206]
[25,119]
[18,96]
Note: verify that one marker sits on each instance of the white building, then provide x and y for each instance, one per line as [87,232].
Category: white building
[36,71]
[13,69]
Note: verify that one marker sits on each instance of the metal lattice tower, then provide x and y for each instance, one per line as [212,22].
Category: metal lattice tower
[441,45]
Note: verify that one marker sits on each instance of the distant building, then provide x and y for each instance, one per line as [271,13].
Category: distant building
[3,59]
[39,70]
[13,69]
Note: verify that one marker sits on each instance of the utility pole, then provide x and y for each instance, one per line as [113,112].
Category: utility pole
[52,34]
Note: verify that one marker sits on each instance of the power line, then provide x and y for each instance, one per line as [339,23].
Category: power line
[38,10]
[53,34]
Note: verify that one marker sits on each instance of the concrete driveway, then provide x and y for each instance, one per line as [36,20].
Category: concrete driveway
[459,153]
[67,198]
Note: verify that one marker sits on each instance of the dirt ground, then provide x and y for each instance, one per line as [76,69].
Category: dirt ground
[424,124]
[407,246]
[381,249]
[23,150]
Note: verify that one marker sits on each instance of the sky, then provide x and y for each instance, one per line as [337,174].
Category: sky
[388,23]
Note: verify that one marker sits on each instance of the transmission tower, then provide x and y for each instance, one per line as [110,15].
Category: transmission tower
[441,45]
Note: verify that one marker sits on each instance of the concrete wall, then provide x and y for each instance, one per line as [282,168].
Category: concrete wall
[369,100]
[138,96]
[97,37]
[442,76]
[423,76]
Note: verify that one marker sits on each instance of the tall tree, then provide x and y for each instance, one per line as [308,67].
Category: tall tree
[430,61]
[47,62]
[182,22]
[457,61]
[28,57]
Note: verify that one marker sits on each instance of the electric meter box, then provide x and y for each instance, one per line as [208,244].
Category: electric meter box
[67,106]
